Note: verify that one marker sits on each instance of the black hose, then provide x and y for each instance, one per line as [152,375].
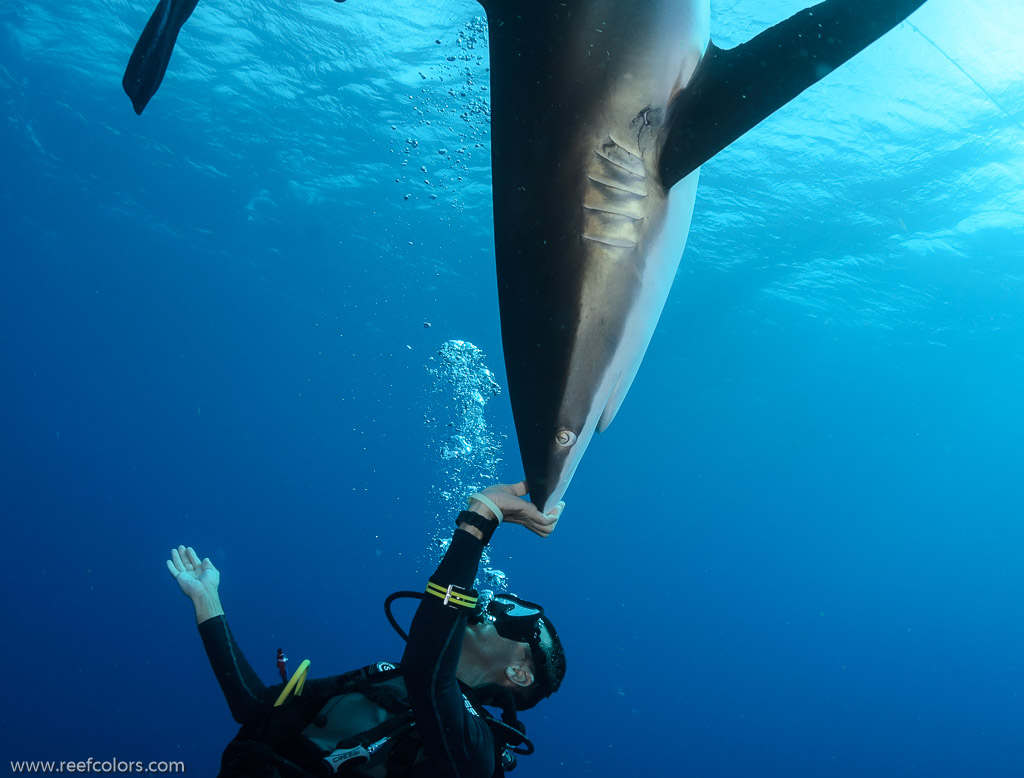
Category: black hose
[387,610]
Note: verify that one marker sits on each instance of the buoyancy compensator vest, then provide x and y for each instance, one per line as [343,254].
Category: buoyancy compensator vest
[360,725]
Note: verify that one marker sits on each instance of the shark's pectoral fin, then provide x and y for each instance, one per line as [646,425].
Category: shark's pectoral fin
[149,59]
[611,408]
[735,89]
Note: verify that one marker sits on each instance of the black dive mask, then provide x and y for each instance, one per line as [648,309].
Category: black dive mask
[515,619]
[521,621]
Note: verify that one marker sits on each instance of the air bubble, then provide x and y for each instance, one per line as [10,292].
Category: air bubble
[469,450]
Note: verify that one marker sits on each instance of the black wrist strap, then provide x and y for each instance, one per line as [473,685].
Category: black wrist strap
[486,526]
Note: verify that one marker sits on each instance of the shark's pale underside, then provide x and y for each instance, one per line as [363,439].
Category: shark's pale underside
[602,113]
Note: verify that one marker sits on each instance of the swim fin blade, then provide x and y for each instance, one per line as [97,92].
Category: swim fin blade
[149,59]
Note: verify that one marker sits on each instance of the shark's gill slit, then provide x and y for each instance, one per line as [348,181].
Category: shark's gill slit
[617,243]
[630,166]
[610,212]
[617,185]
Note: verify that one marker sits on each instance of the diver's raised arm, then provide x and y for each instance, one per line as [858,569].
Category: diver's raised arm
[199,581]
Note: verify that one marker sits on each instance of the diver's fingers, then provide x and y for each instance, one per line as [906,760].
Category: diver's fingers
[193,557]
[552,518]
[176,554]
[556,512]
[170,566]
[543,529]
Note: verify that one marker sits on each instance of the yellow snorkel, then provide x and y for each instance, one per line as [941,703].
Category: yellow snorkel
[297,681]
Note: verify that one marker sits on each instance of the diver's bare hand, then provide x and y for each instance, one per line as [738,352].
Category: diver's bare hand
[199,581]
[509,499]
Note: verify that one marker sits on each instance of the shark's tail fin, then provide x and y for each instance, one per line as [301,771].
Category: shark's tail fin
[733,90]
[148,62]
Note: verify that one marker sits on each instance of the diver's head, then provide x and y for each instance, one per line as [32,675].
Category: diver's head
[512,643]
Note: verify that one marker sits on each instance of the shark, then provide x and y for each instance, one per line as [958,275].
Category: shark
[602,114]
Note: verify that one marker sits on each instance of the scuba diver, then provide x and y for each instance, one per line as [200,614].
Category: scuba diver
[282,665]
[422,718]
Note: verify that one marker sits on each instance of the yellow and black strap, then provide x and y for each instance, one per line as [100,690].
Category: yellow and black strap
[453,596]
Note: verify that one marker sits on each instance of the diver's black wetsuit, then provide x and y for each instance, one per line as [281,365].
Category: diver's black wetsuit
[457,742]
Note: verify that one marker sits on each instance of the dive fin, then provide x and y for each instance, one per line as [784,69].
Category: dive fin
[733,90]
[149,59]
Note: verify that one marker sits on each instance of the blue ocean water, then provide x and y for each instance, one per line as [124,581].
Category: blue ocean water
[795,552]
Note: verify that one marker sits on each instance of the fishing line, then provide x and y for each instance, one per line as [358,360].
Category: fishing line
[973,80]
